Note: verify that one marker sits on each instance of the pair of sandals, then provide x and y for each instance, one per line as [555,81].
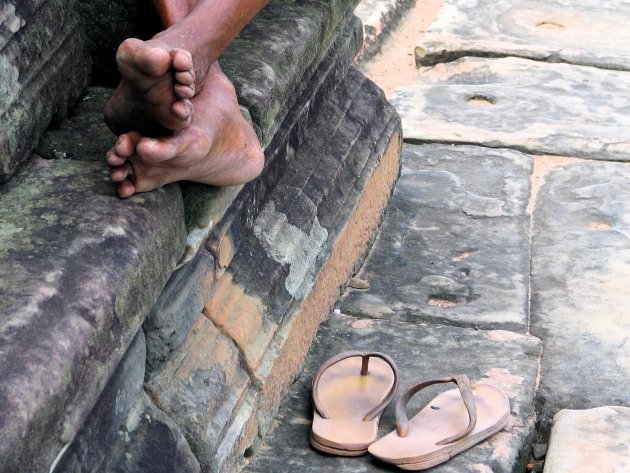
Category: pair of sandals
[352,389]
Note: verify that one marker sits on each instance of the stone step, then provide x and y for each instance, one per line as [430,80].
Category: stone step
[503,359]
[520,104]
[44,68]
[79,272]
[454,245]
[283,274]
[276,63]
[379,18]
[580,290]
[576,32]
[590,440]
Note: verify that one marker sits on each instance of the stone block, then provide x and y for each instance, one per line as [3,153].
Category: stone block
[506,360]
[454,244]
[82,136]
[177,308]
[206,205]
[44,68]
[580,295]
[79,271]
[278,48]
[379,17]
[91,448]
[201,386]
[280,257]
[590,440]
[150,441]
[359,208]
[544,30]
[227,235]
[520,104]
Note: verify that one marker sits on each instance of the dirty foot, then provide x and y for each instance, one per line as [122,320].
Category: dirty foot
[154,94]
[219,147]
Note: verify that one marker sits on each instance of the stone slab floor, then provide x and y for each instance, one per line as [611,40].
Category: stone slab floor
[505,251]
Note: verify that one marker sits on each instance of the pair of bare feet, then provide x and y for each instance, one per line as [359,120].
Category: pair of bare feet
[172,126]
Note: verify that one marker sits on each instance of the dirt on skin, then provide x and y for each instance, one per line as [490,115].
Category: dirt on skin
[395,65]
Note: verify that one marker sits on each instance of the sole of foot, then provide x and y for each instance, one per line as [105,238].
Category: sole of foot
[155,93]
[219,147]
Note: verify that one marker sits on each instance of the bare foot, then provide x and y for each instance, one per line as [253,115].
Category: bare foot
[154,95]
[219,147]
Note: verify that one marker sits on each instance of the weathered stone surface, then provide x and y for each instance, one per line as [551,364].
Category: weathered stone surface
[577,32]
[580,291]
[379,17]
[79,271]
[200,386]
[83,135]
[590,440]
[206,205]
[108,23]
[150,441]
[44,67]
[349,188]
[278,258]
[350,214]
[177,308]
[291,57]
[226,237]
[453,246]
[500,358]
[520,104]
[278,48]
[91,447]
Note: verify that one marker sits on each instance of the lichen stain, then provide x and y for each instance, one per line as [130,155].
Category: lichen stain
[287,244]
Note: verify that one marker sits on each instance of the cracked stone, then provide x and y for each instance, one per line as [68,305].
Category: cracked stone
[549,30]
[453,246]
[580,291]
[531,106]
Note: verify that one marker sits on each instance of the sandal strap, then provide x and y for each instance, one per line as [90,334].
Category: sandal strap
[462,382]
[371,415]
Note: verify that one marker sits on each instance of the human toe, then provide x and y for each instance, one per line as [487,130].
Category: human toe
[182,60]
[154,62]
[182,109]
[154,150]
[126,189]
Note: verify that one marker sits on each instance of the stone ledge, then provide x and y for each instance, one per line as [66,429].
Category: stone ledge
[43,71]
[79,271]
[325,30]
[379,17]
[324,222]
[438,257]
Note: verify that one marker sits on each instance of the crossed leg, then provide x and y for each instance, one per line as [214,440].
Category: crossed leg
[175,111]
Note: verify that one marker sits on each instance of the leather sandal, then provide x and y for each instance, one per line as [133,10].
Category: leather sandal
[444,427]
[350,391]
